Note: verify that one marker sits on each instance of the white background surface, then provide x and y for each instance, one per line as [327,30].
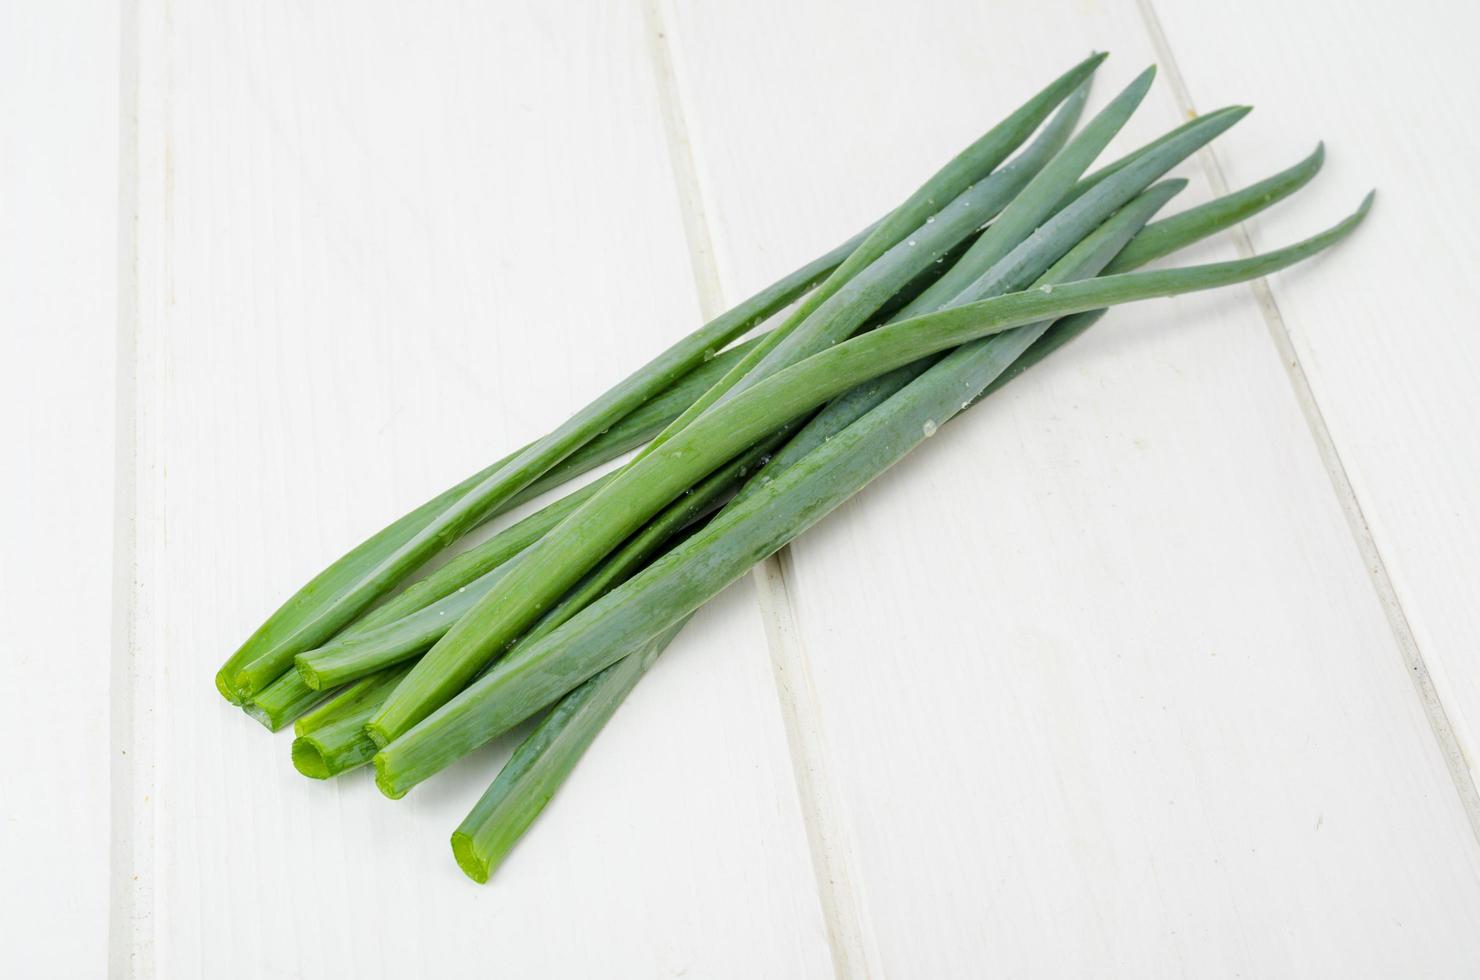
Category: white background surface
[1162,663]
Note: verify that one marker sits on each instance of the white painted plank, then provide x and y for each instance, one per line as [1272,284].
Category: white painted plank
[1104,684]
[1386,335]
[363,219]
[59,103]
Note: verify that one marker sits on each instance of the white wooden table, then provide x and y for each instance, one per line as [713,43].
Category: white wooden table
[1163,663]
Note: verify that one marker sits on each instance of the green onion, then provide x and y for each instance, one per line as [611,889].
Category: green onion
[680,581]
[989,266]
[546,757]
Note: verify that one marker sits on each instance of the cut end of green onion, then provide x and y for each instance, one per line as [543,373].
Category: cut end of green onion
[310,676]
[309,759]
[261,716]
[223,684]
[237,687]
[383,780]
[467,858]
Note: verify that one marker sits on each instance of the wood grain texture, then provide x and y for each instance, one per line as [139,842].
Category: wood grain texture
[1106,685]
[387,245]
[59,102]
[1387,335]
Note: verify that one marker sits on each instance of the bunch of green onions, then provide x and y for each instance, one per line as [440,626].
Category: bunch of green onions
[995,262]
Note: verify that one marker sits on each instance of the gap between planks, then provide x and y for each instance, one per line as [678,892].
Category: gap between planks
[122,674]
[1346,495]
[144,212]
[850,941]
